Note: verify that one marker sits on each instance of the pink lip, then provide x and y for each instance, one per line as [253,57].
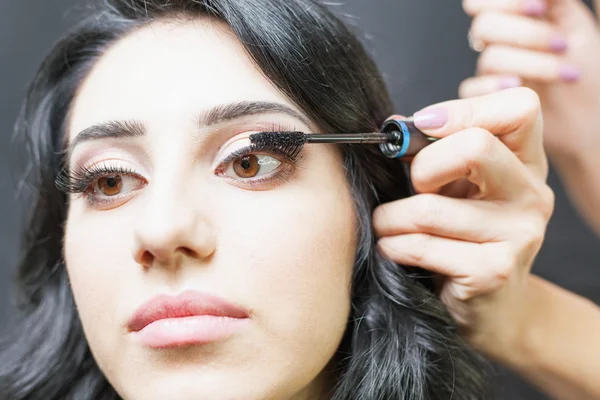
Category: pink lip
[189,318]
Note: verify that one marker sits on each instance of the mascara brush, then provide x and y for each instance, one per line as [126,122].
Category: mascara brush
[397,138]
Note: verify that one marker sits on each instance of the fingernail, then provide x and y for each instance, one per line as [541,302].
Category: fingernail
[535,8]
[569,73]
[558,43]
[431,118]
[509,82]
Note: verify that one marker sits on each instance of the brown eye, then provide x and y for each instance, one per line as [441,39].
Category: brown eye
[110,185]
[246,166]
[251,166]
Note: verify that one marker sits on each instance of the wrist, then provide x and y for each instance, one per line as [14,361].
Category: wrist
[526,343]
[516,345]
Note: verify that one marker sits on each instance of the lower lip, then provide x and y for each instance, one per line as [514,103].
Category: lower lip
[185,331]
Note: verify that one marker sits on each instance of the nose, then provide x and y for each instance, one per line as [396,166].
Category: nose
[171,228]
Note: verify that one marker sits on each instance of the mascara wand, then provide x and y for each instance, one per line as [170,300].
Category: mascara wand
[398,138]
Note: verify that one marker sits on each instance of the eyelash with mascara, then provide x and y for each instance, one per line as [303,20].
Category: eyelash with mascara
[290,153]
[80,179]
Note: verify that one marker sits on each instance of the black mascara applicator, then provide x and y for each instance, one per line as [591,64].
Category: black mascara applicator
[397,138]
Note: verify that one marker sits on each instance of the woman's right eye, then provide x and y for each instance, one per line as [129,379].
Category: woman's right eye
[112,189]
[114,185]
[101,185]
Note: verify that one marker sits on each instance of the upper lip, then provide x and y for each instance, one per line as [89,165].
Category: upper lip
[187,304]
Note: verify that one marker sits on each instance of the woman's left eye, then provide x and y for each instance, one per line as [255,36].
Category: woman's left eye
[251,166]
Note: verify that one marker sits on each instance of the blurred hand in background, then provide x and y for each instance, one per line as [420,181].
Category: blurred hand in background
[553,47]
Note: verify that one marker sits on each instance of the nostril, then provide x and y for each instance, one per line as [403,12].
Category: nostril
[146,258]
[189,252]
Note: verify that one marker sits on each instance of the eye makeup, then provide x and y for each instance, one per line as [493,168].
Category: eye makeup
[103,185]
[254,167]
[279,163]
[79,179]
[290,155]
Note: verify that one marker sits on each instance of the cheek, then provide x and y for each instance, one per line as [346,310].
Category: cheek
[299,246]
[101,270]
[287,254]
[298,251]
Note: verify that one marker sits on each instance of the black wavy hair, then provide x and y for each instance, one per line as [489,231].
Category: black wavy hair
[400,341]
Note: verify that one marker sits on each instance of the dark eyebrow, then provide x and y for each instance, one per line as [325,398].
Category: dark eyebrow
[216,115]
[227,112]
[108,130]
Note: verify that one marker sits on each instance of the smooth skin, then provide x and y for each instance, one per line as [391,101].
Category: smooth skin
[479,220]
[178,225]
[553,48]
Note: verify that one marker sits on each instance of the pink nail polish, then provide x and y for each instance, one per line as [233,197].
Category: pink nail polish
[431,118]
[509,82]
[535,8]
[569,73]
[558,43]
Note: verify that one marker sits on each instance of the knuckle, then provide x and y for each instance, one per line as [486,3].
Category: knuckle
[548,201]
[418,249]
[500,277]
[479,147]
[500,269]
[534,242]
[466,291]
[405,249]
[544,167]
[476,27]
[379,219]
[533,233]
[482,23]
[542,201]
[467,117]
[470,7]
[471,287]
[498,58]
[388,248]
[464,89]
[420,177]
[487,62]
[528,233]
[528,102]
[428,212]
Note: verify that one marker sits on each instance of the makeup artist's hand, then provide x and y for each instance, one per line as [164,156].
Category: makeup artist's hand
[551,46]
[481,211]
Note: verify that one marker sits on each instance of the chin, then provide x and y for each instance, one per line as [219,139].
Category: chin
[198,387]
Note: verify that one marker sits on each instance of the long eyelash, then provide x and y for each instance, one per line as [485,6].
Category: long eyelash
[290,153]
[80,179]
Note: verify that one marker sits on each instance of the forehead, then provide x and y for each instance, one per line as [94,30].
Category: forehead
[168,71]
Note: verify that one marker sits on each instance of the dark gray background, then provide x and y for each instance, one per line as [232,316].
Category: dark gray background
[420,45]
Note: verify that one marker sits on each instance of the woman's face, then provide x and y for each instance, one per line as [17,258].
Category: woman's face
[174,206]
